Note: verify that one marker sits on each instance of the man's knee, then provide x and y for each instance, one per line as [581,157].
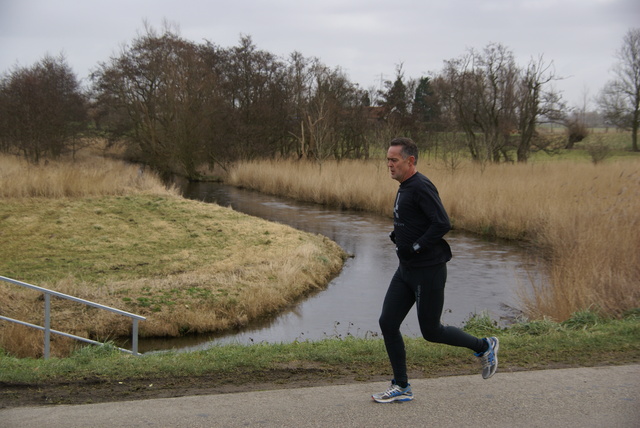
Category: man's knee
[432,333]
[387,326]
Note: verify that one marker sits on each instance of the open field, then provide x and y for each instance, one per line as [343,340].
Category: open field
[187,266]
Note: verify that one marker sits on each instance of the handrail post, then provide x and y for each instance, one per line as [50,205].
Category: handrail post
[47,325]
[134,338]
[47,317]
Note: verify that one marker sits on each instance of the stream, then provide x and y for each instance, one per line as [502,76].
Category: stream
[483,276]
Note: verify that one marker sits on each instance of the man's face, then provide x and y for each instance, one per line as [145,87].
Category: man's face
[399,167]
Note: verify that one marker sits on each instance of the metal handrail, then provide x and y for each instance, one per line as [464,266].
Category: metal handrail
[47,317]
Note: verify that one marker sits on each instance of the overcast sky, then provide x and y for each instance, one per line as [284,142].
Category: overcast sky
[367,39]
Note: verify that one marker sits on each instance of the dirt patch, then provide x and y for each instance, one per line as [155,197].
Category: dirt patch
[87,390]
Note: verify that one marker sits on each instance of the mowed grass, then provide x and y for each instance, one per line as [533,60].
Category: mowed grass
[188,266]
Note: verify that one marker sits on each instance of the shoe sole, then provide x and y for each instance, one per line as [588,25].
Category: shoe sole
[392,399]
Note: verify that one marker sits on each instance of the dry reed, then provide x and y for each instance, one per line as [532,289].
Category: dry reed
[91,177]
[585,217]
[349,184]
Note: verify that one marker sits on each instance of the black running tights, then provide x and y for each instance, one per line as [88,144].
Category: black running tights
[425,288]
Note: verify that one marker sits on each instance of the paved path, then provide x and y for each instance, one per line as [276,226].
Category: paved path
[584,397]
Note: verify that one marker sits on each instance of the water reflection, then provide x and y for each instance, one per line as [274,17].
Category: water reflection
[483,275]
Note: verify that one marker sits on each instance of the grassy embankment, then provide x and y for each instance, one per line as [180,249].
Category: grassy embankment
[95,374]
[102,231]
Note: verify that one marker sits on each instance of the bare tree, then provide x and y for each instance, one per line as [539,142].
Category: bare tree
[327,112]
[43,109]
[495,103]
[324,112]
[157,96]
[253,90]
[620,98]
[481,90]
[535,103]
[576,130]
[299,81]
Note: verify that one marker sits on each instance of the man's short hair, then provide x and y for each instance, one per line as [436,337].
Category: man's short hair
[409,147]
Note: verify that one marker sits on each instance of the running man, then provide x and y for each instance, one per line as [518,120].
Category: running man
[419,224]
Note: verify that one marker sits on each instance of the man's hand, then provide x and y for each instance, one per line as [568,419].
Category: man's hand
[405,253]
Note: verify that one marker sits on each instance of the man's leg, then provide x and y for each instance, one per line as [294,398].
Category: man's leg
[430,283]
[397,303]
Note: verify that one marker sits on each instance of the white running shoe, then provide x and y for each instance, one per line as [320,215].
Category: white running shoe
[394,393]
[489,358]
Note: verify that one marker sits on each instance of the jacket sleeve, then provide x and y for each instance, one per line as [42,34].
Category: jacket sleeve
[430,204]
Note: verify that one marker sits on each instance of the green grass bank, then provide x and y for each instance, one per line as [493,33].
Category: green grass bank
[94,374]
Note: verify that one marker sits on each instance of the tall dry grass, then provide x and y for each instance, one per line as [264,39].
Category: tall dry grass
[92,177]
[349,184]
[586,218]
